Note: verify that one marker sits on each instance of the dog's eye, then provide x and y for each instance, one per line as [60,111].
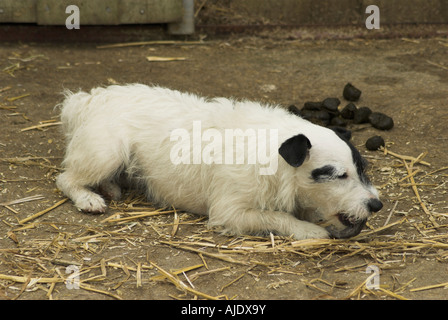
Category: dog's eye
[327,173]
[343,176]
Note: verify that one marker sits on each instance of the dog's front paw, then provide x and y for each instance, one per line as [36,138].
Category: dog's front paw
[317,233]
[91,203]
[309,230]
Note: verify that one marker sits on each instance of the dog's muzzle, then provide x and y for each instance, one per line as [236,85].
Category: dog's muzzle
[352,228]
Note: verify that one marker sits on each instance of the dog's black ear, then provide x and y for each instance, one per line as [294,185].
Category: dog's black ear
[295,149]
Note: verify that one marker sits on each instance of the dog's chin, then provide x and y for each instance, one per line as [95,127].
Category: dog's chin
[345,227]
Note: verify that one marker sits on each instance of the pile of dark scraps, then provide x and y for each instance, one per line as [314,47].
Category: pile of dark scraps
[326,113]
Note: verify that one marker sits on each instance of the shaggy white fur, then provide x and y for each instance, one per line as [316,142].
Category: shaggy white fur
[312,174]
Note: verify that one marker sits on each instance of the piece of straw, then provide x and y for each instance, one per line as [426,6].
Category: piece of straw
[40,213]
[42,125]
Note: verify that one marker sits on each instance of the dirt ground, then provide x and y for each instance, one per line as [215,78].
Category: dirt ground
[129,257]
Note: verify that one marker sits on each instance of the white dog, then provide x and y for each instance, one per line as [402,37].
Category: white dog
[312,186]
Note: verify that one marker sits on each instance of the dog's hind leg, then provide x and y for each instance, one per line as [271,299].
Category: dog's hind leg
[110,189]
[93,164]
[84,198]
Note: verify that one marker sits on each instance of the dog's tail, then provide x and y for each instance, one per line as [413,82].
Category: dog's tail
[71,111]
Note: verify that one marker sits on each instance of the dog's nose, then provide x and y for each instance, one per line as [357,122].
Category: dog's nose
[374,205]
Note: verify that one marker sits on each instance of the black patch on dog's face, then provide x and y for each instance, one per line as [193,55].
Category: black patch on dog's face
[327,173]
[324,174]
[360,164]
[358,160]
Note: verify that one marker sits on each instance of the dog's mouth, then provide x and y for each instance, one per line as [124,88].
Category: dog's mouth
[352,227]
[346,220]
